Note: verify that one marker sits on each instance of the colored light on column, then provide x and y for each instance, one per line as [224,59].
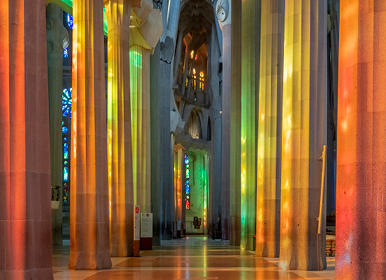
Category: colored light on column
[187,186]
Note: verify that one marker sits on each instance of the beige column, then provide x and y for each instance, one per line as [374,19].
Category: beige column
[89,218]
[304,134]
[25,208]
[361,153]
[120,177]
[140,126]
[145,31]
[269,129]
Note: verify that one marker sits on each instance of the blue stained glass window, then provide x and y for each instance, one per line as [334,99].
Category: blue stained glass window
[67,102]
[65,174]
[187,182]
[65,146]
[65,155]
[70,21]
[65,53]
[65,138]
[64,129]
[187,190]
[66,162]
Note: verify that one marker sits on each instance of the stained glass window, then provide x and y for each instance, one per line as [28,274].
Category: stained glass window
[66,125]
[70,21]
[65,174]
[67,102]
[65,53]
[202,81]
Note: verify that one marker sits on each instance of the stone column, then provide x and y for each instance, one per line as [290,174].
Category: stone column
[140,126]
[89,222]
[235,135]
[223,11]
[25,210]
[145,31]
[215,184]
[156,191]
[119,129]
[57,41]
[361,177]
[304,135]
[250,38]
[167,47]
[269,129]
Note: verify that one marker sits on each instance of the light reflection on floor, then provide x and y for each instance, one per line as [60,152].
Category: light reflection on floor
[194,258]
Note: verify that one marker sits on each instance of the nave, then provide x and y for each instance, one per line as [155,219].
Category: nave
[193,257]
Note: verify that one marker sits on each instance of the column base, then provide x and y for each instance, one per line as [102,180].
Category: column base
[45,274]
[92,261]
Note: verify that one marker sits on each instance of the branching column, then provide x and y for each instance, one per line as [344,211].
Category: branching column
[120,175]
[361,158]
[249,111]
[269,128]
[304,134]
[89,219]
[25,209]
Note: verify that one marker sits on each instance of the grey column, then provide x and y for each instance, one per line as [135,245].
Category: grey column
[156,197]
[224,18]
[235,121]
[57,40]
[215,200]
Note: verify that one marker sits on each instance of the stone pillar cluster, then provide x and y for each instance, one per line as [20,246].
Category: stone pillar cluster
[25,181]
[282,120]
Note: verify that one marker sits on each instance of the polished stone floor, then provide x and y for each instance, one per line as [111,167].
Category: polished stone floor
[195,258]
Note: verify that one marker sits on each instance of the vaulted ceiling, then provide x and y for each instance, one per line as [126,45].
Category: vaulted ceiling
[196,16]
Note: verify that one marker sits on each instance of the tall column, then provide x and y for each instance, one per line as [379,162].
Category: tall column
[167,47]
[57,41]
[269,129]
[25,210]
[120,175]
[361,180]
[235,127]
[223,11]
[156,191]
[140,126]
[249,112]
[89,220]
[304,135]
[216,120]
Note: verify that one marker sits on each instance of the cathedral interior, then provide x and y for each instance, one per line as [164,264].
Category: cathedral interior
[192,139]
